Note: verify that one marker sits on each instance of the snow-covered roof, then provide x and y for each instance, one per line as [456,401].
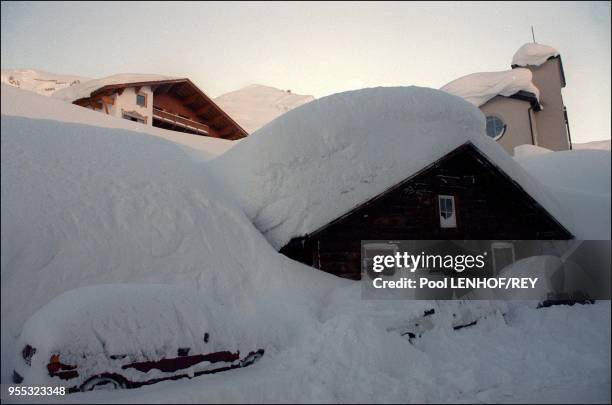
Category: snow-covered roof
[478,88]
[85,89]
[319,161]
[533,54]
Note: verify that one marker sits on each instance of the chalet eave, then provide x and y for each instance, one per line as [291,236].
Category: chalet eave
[189,94]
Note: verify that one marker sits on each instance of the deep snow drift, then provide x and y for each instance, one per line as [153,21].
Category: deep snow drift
[317,162]
[85,205]
[580,181]
[478,88]
[138,321]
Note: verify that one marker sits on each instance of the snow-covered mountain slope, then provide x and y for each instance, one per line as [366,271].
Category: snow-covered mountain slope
[39,81]
[256,105]
[17,102]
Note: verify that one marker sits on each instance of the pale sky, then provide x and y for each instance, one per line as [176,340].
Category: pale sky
[316,48]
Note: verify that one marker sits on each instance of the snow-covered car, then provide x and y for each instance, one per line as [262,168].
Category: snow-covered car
[129,335]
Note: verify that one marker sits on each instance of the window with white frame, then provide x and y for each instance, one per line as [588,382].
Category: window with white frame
[448,215]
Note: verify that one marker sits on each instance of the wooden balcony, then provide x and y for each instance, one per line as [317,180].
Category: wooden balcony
[179,121]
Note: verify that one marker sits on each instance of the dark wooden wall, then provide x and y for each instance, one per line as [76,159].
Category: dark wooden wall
[489,205]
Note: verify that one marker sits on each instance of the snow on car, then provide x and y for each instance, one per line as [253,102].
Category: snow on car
[129,335]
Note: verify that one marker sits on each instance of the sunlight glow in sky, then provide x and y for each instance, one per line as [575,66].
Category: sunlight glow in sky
[316,48]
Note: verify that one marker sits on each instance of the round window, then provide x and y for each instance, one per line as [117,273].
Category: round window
[495,127]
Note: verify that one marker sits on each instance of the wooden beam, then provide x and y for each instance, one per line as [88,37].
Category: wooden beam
[190,99]
[203,110]
[227,130]
[215,120]
[108,100]
[137,89]
[235,134]
[166,88]
[182,85]
[95,103]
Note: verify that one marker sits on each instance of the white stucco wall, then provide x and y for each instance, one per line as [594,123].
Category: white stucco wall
[127,102]
[515,114]
[551,120]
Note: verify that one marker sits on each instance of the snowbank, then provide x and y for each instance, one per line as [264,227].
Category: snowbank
[83,205]
[317,162]
[136,319]
[85,89]
[478,88]
[551,355]
[533,54]
[580,181]
[256,105]
[16,102]
[141,321]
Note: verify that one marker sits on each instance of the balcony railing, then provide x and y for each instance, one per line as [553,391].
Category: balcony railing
[180,121]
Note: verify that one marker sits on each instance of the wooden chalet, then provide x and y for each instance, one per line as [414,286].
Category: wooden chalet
[174,104]
[462,196]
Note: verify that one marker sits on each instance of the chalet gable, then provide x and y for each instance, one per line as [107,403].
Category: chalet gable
[461,196]
[318,162]
[445,179]
[174,104]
